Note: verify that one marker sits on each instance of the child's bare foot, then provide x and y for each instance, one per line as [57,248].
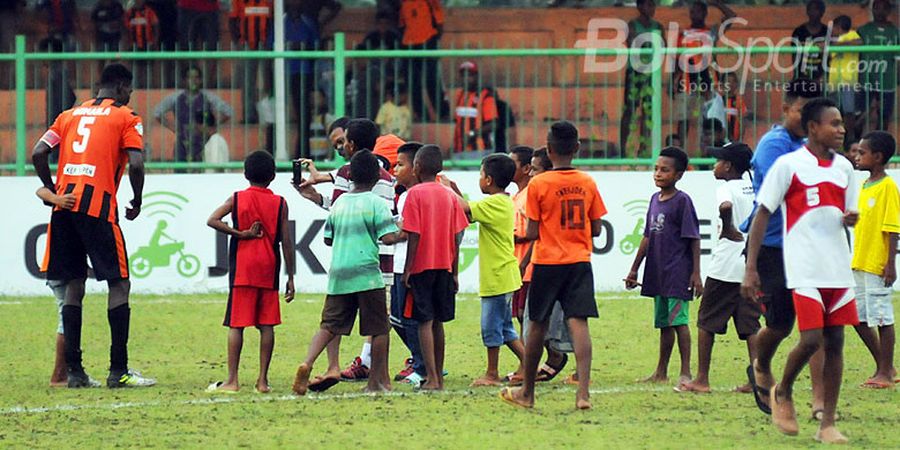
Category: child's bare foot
[221,386]
[301,380]
[513,396]
[583,404]
[655,378]
[830,435]
[693,386]
[428,386]
[745,388]
[378,388]
[486,380]
[783,414]
[263,387]
[684,379]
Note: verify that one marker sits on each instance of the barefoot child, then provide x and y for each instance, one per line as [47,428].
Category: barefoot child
[259,222]
[817,194]
[358,220]
[671,244]
[564,210]
[874,251]
[432,217]
[722,292]
[499,274]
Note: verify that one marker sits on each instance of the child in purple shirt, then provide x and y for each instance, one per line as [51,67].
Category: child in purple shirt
[671,244]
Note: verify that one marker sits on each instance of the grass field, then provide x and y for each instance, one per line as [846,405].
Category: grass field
[179,340]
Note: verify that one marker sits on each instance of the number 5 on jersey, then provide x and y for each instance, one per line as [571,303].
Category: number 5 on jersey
[80,146]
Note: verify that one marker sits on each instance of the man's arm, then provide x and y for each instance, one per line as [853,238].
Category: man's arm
[223,110]
[631,280]
[696,282]
[40,160]
[66,201]
[287,250]
[136,177]
[161,112]
[750,287]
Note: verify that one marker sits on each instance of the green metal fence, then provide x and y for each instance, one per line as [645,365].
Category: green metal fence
[538,85]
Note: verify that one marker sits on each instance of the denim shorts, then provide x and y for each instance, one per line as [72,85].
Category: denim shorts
[873,300]
[496,320]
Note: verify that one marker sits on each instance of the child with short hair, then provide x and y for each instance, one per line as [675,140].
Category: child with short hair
[817,194]
[394,116]
[722,298]
[359,219]
[499,275]
[874,251]
[671,244]
[259,223]
[564,210]
[406,328]
[432,217]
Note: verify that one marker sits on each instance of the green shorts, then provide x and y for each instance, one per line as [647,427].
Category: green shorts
[670,311]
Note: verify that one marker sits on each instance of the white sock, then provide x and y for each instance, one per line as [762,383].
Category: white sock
[366,354]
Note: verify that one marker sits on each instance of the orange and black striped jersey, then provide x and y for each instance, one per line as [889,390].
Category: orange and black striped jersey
[93,140]
[141,23]
[254,17]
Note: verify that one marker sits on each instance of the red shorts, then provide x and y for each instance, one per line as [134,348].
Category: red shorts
[251,307]
[820,308]
[518,300]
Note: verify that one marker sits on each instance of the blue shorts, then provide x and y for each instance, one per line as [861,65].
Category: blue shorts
[496,320]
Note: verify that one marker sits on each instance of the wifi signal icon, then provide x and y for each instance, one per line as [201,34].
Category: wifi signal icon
[163,203]
[636,208]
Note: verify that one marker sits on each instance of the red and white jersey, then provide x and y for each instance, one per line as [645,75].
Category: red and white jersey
[813,195]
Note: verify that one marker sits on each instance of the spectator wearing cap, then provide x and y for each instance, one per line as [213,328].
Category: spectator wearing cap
[475,113]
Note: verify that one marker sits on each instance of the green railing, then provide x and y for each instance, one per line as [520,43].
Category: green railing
[557,79]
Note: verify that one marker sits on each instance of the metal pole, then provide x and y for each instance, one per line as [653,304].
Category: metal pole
[340,74]
[656,141]
[281,130]
[21,114]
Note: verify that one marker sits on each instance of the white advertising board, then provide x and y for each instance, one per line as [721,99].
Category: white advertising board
[189,257]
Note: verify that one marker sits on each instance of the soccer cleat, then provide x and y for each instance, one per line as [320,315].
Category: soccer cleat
[132,378]
[406,370]
[414,379]
[78,380]
[356,372]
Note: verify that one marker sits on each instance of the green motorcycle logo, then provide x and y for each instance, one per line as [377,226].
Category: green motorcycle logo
[631,241]
[162,247]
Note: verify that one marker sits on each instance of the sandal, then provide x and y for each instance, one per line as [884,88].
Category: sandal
[548,372]
[759,392]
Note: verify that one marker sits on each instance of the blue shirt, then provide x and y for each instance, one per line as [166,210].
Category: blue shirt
[775,143]
[302,29]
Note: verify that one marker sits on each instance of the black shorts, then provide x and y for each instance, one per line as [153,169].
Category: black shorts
[723,301]
[572,285]
[432,296]
[778,303]
[73,237]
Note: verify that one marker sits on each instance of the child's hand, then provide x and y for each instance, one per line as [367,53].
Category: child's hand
[751,288]
[406,280]
[289,290]
[850,218]
[889,275]
[455,283]
[696,284]
[66,201]
[631,281]
[255,231]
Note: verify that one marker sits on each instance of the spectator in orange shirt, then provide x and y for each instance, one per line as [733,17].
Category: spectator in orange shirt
[422,22]
[143,31]
[475,113]
[249,23]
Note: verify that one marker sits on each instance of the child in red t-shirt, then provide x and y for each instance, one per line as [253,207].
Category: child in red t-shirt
[432,217]
[260,222]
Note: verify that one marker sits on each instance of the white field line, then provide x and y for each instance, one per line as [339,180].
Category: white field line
[207,301]
[215,399]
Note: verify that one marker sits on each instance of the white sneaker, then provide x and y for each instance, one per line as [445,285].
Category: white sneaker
[414,379]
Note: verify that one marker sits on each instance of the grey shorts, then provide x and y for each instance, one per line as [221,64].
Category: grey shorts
[873,300]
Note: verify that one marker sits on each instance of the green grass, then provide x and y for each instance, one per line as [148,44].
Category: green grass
[180,341]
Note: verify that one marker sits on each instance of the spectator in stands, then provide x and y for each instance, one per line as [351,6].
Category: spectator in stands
[320,146]
[809,64]
[379,71]
[692,78]
[107,17]
[62,21]
[422,22]
[198,24]
[143,30]
[249,23]
[394,117]
[638,89]
[168,22]
[60,95]
[843,75]
[475,112]
[712,134]
[879,80]
[9,19]
[185,107]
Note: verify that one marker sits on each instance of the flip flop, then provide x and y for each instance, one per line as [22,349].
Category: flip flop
[323,384]
[506,395]
[514,379]
[872,384]
[685,387]
[213,388]
[548,372]
[758,392]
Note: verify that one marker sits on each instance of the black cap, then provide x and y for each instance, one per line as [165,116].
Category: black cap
[737,153]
